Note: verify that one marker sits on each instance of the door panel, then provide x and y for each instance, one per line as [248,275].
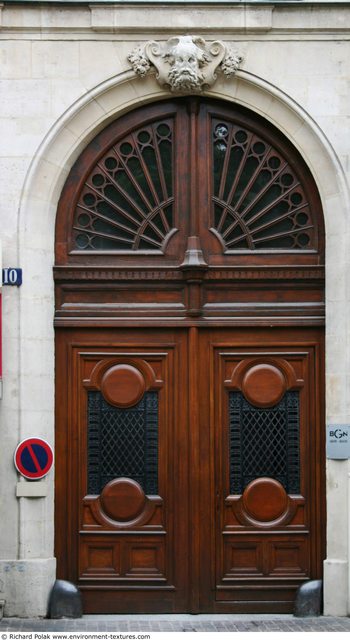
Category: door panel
[127,480]
[193,476]
[264,444]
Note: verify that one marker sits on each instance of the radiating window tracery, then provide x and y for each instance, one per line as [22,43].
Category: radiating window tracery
[258,202]
[127,200]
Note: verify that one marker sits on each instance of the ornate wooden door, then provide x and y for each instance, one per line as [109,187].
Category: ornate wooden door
[128,483]
[189,315]
[256,433]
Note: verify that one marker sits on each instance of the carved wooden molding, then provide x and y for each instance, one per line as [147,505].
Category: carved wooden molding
[269,273]
[281,508]
[104,366]
[239,379]
[62,274]
[185,64]
[121,505]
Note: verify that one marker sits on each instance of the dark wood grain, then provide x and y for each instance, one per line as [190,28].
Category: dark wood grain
[192,323]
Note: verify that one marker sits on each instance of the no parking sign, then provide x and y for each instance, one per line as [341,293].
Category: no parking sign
[33,458]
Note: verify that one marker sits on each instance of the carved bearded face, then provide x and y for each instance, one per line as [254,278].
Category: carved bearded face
[186,60]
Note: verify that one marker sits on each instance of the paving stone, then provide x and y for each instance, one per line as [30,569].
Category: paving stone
[180,623]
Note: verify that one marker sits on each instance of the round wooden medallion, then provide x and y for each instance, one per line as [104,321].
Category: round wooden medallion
[123,499]
[265,499]
[123,385]
[264,385]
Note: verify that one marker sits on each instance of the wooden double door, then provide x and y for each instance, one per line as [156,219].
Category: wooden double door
[189,466]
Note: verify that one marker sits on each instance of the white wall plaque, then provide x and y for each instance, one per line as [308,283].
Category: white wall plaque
[338,441]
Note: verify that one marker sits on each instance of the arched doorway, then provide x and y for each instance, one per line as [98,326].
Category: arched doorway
[189,315]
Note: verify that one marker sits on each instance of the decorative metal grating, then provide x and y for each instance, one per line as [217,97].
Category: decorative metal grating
[264,442]
[127,200]
[122,442]
[258,201]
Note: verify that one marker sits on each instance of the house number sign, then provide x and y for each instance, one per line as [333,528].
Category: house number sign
[12,276]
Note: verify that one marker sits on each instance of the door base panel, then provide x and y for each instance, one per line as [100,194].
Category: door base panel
[250,606]
[119,602]
[152,601]
[114,603]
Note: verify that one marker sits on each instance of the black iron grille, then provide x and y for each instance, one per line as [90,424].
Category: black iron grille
[122,442]
[264,442]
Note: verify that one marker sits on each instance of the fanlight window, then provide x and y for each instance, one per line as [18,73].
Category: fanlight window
[164,174]
[127,200]
[258,202]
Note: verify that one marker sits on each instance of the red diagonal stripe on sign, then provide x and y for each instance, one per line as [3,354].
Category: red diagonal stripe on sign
[34,458]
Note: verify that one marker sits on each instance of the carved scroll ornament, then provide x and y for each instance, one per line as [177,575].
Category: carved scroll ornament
[185,64]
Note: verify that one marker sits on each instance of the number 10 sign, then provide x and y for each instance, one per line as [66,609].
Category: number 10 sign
[12,277]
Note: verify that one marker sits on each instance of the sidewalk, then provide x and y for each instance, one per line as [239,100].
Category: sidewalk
[178,622]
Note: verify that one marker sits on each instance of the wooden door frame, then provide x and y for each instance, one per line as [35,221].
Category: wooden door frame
[201,294]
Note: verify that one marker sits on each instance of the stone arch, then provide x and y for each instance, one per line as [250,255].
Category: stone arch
[42,188]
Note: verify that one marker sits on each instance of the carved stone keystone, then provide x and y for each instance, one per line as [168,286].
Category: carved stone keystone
[185,64]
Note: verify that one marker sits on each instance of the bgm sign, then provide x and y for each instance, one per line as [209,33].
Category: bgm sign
[33,458]
[338,441]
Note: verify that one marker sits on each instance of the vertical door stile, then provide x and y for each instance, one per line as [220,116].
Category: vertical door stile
[77,402]
[62,543]
[320,472]
[194,469]
[217,485]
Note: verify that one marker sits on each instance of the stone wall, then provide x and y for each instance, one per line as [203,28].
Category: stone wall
[64,75]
